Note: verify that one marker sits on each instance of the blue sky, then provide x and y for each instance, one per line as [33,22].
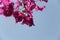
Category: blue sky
[47,25]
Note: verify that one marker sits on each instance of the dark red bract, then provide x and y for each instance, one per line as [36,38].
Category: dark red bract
[28,20]
[8,10]
[18,16]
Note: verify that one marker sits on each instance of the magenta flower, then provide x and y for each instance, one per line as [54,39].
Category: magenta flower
[44,0]
[8,10]
[28,20]
[18,16]
[21,10]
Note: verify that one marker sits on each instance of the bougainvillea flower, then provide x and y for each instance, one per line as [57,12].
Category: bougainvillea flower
[44,0]
[28,20]
[8,10]
[39,8]
[24,15]
[18,3]
[18,16]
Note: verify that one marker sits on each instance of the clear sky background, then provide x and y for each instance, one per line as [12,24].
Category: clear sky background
[47,25]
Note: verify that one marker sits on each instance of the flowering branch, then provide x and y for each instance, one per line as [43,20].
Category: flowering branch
[21,10]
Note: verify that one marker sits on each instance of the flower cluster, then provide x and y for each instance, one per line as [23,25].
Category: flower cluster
[21,10]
